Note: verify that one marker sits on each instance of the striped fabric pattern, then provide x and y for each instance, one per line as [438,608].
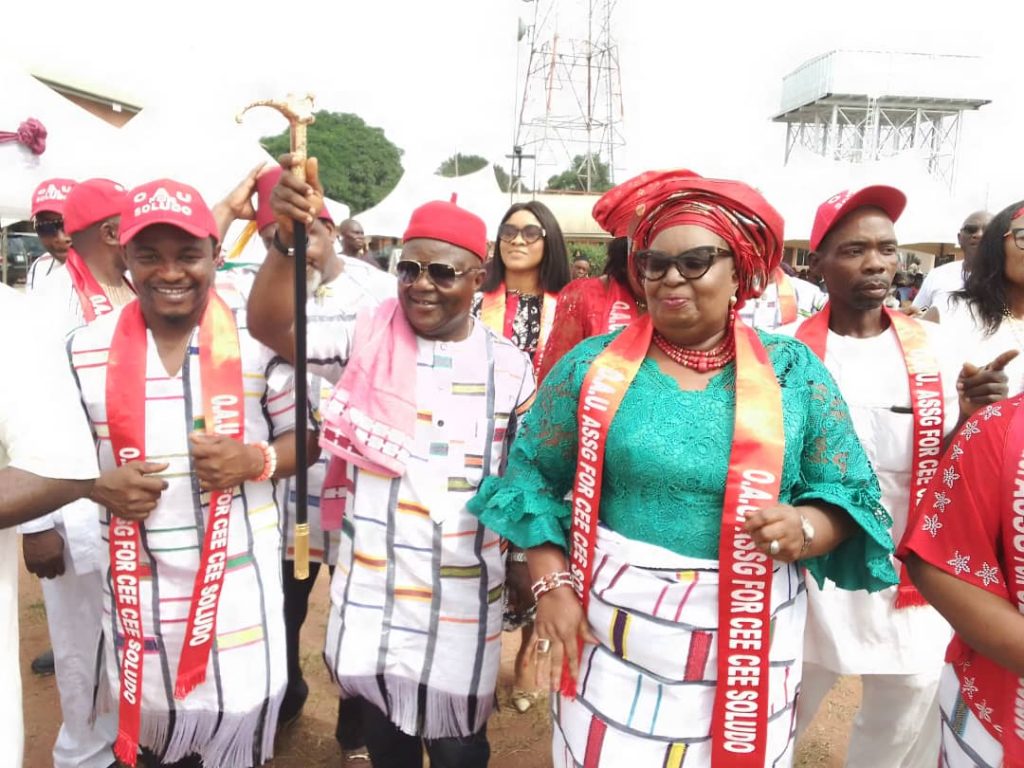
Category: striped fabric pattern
[230,718]
[965,742]
[416,611]
[646,690]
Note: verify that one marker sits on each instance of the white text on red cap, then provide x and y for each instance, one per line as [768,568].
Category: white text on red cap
[162,201]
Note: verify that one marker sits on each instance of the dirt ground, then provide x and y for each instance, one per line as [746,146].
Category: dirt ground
[517,741]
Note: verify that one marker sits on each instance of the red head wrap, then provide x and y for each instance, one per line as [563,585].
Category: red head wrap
[656,200]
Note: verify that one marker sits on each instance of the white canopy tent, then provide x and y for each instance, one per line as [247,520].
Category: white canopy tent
[932,215]
[78,145]
[477,192]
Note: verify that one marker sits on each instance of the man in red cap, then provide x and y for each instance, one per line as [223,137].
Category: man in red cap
[424,408]
[63,548]
[905,396]
[93,282]
[48,221]
[195,423]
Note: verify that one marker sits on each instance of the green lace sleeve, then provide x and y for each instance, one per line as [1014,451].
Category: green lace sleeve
[527,504]
[835,469]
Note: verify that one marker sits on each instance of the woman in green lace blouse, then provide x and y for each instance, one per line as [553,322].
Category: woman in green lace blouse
[730,458]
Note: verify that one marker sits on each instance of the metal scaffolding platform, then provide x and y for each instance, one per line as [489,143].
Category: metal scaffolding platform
[857,106]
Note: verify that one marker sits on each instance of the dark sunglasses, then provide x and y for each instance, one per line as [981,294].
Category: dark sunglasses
[49,228]
[972,229]
[692,264]
[441,275]
[531,233]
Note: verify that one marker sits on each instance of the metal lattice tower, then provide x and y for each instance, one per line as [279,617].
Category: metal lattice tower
[569,93]
[858,106]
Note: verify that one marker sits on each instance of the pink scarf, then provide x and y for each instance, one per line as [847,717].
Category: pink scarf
[371,416]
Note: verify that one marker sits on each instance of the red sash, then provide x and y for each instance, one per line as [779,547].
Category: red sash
[220,368]
[94,300]
[740,717]
[621,307]
[787,296]
[499,316]
[926,400]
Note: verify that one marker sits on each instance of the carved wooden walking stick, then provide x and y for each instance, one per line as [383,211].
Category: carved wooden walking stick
[299,111]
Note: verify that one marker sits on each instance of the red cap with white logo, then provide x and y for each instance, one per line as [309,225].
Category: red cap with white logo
[166,201]
[91,201]
[51,194]
[889,199]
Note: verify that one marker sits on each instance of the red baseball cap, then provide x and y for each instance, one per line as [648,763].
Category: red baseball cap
[165,201]
[448,223]
[91,201]
[51,194]
[265,184]
[889,199]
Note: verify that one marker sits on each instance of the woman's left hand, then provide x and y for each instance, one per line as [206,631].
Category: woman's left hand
[780,524]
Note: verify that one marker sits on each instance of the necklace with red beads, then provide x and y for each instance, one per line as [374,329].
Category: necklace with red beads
[701,360]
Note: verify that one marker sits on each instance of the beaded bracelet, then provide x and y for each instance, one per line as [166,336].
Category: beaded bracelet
[269,461]
[552,581]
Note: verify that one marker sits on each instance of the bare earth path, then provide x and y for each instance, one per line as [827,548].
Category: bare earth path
[517,741]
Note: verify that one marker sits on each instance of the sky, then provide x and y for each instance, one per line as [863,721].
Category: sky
[700,80]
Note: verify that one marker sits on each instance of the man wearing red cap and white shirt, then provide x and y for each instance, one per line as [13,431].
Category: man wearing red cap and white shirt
[425,405]
[92,282]
[63,548]
[902,393]
[195,422]
[48,221]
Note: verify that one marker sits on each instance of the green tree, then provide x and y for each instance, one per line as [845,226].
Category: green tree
[460,164]
[574,178]
[502,177]
[358,164]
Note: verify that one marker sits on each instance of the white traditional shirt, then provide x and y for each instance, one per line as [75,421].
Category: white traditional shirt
[358,286]
[42,269]
[968,339]
[860,632]
[416,599]
[765,312]
[231,718]
[43,431]
[940,282]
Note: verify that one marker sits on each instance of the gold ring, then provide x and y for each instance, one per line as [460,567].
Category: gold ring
[543,645]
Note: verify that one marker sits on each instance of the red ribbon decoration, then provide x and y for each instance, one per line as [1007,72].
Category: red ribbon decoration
[30,134]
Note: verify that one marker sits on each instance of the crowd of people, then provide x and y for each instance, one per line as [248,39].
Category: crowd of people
[694,490]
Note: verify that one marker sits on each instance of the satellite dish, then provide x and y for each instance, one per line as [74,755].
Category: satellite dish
[520,30]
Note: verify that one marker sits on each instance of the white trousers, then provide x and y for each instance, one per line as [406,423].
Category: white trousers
[897,725]
[73,613]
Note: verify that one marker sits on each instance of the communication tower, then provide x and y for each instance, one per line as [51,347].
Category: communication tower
[568,92]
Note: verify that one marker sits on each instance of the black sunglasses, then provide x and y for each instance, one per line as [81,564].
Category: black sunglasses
[972,229]
[441,275]
[692,264]
[531,233]
[49,228]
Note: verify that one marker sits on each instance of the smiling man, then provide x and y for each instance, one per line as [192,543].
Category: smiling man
[195,421]
[424,408]
[902,391]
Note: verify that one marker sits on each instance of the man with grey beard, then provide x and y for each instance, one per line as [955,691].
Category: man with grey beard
[341,284]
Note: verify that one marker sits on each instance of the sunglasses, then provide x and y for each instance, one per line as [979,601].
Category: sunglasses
[972,229]
[531,233]
[1018,237]
[441,275]
[692,264]
[49,228]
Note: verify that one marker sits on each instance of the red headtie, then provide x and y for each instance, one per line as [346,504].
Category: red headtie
[653,201]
